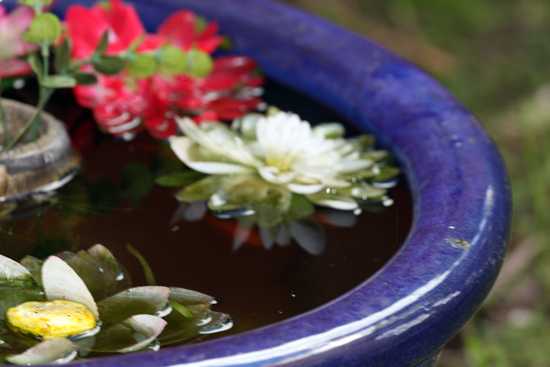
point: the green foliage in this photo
(108, 65)
(45, 29)
(36, 3)
(173, 60)
(142, 65)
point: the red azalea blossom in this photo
(12, 45)
(123, 105)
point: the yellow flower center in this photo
(48, 320)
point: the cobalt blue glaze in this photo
(405, 313)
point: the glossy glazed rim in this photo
(425, 294)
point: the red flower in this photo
(12, 46)
(86, 26)
(121, 104)
(183, 29)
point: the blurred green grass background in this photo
(494, 56)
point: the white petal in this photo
(56, 351)
(150, 327)
(346, 166)
(181, 146)
(11, 270)
(305, 189)
(340, 204)
(220, 140)
(271, 174)
(61, 282)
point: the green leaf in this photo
(199, 63)
(108, 65)
(300, 207)
(36, 3)
(142, 65)
(103, 44)
(85, 78)
(45, 29)
(172, 60)
(200, 24)
(63, 56)
(200, 190)
(11, 297)
(387, 173)
(59, 81)
(184, 311)
(36, 65)
(179, 179)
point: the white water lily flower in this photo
(281, 148)
(62, 304)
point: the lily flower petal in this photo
(61, 282)
(305, 189)
(12, 271)
(182, 145)
(56, 351)
(134, 301)
(131, 335)
(190, 297)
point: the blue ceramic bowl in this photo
(405, 313)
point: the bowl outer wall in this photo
(425, 294)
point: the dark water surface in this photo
(115, 202)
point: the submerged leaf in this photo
(131, 335)
(61, 282)
(56, 351)
(135, 301)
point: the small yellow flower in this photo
(48, 320)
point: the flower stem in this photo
(43, 98)
(3, 124)
(45, 95)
